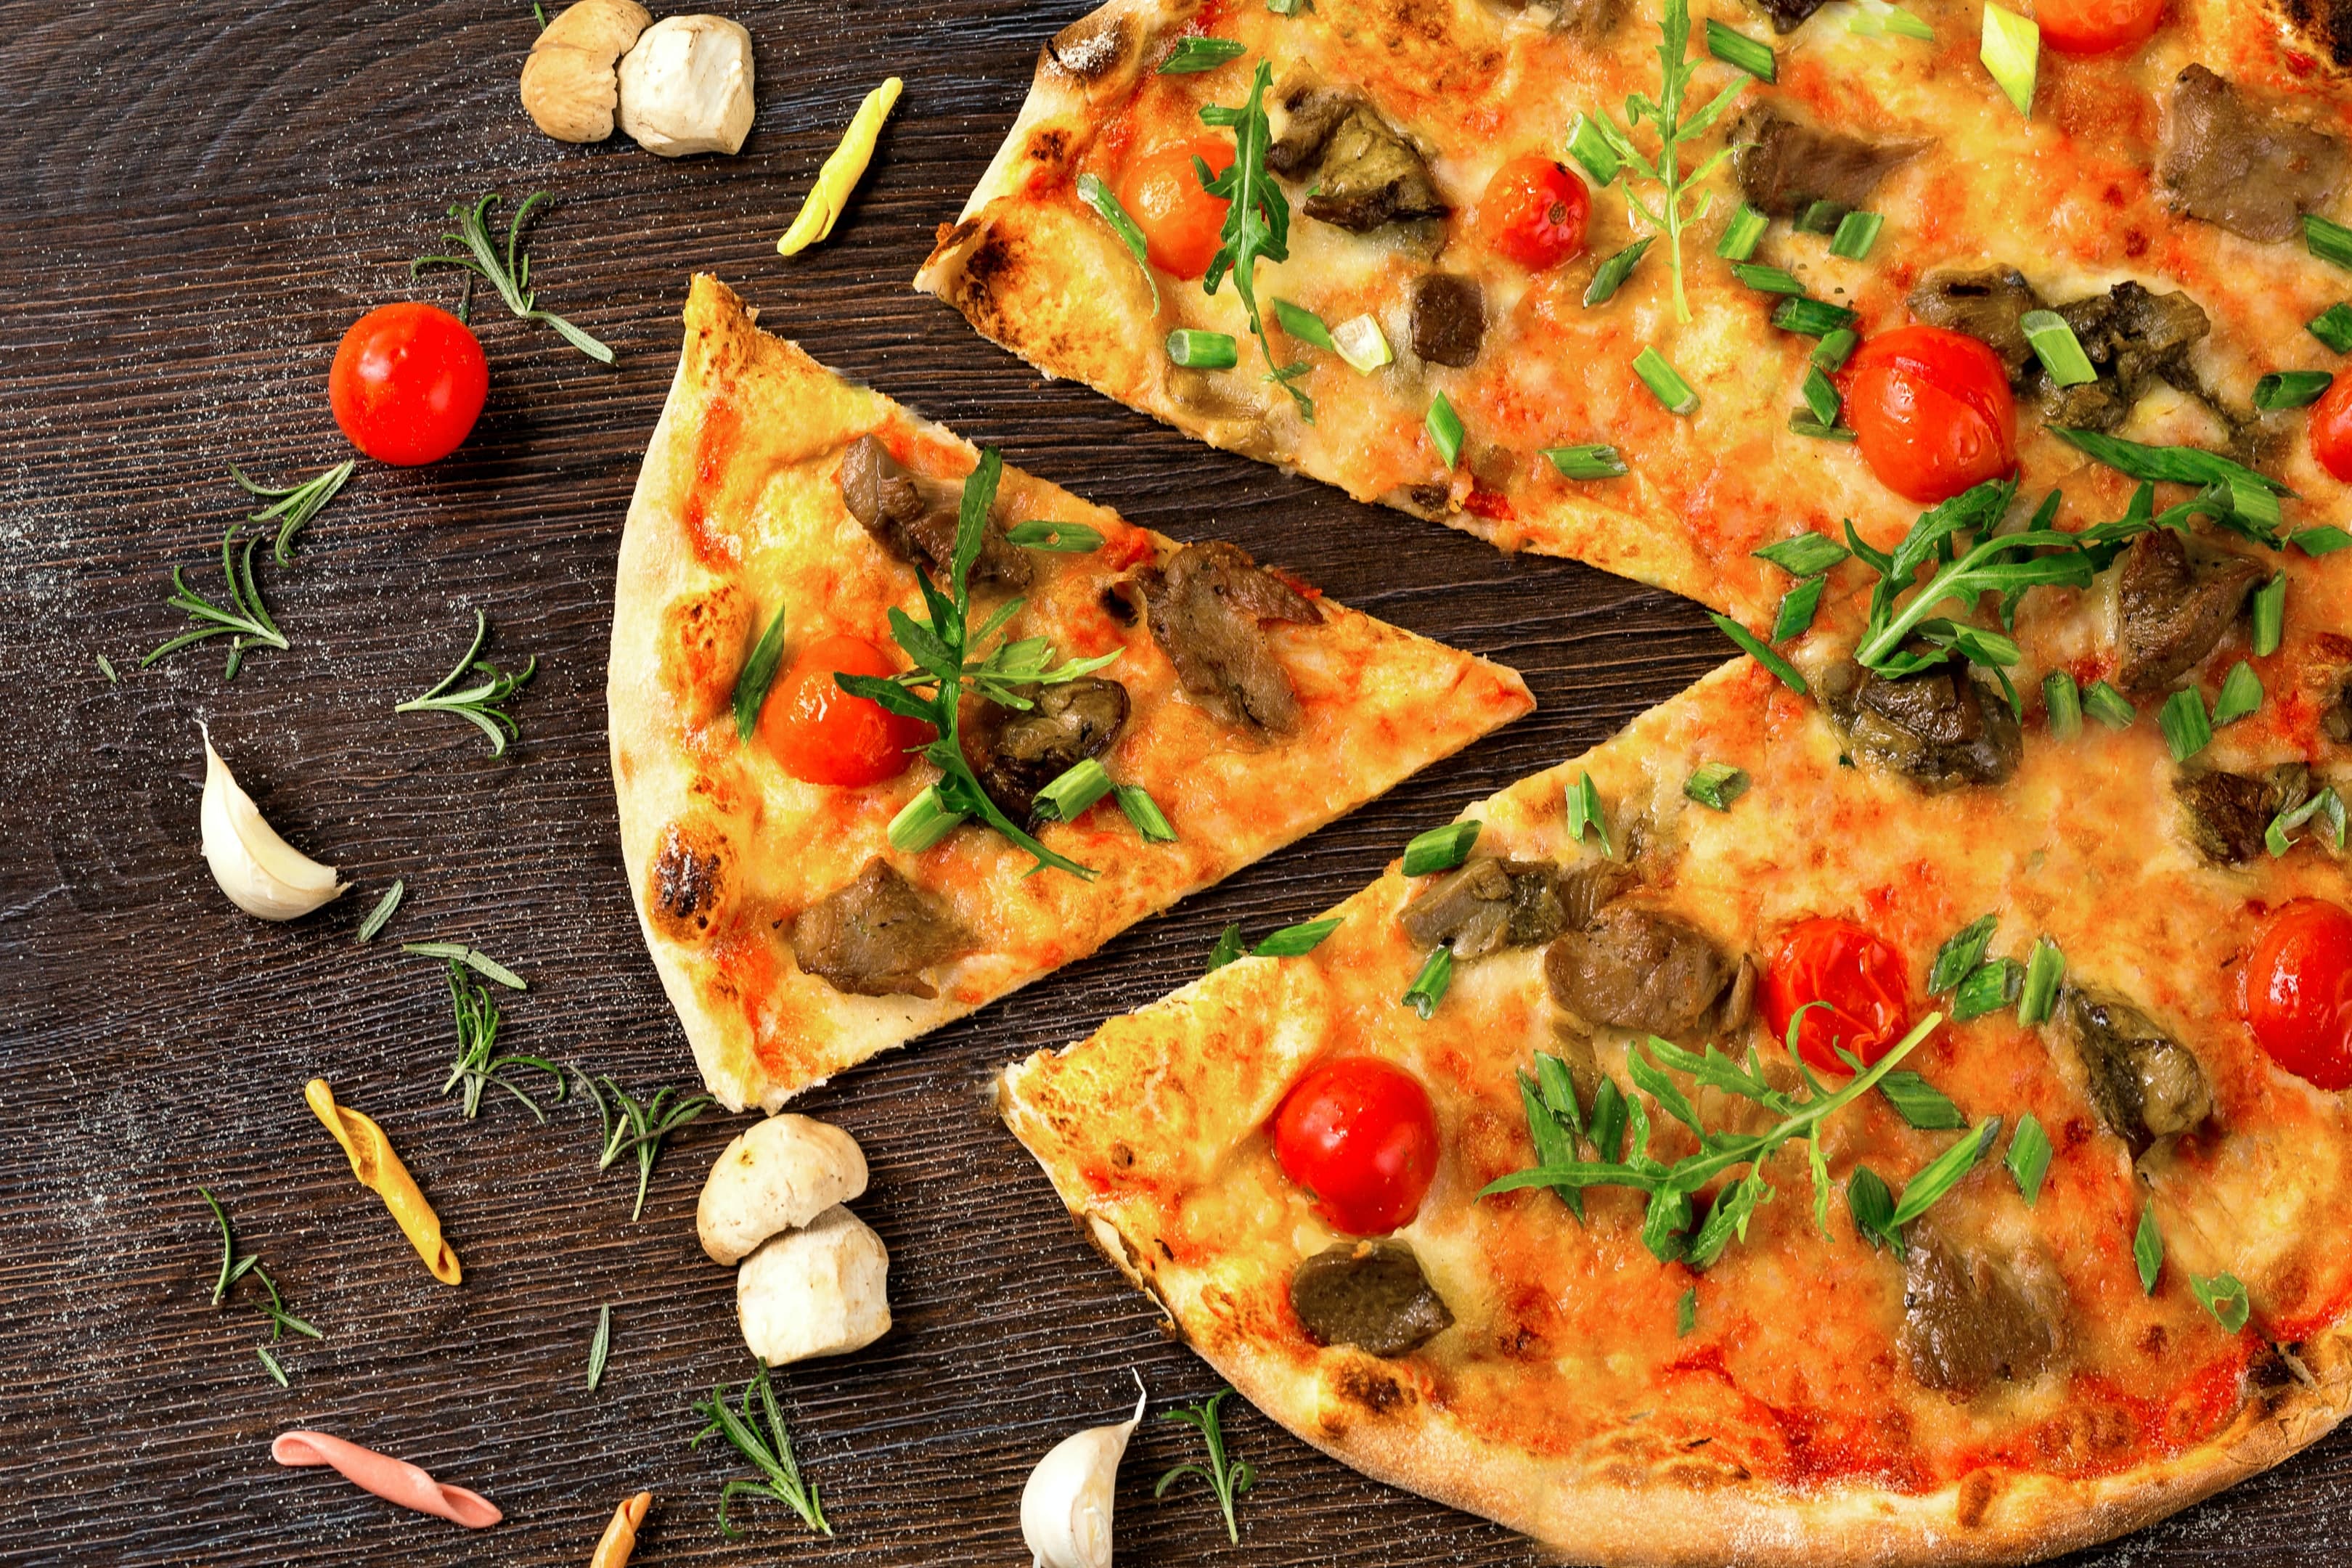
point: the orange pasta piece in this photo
(620, 1537)
(380, 1172)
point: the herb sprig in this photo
(770, 1454)
(638, 1127)
(295, 504)
(478, 1066)
(244, 620)
(1228, 1479)
(234, 1269)
(940, 647)
(509, 274)
(478, 704)
(1257, 219)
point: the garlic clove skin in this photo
(261, 873)
(1066, 1508)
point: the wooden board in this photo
(195, 201)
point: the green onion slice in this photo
(758, 674)
(1819, 395)
(2324, 540)
(1664, 382)
(1428, 987)
(2187, 729)
(1060, 538)
(1197, 349)
(1761, 653)
(1991, 986)
(1445, 429)
(1227, 950)
(1802, 423)
(2109, 706)
(1296, 941)
(2279, 836)
(1813, 318)
(1197, 54)
(1145, 813)
(1099, 196)
(2011, 49)
(2290, 389)
(1441, 849)
(1767, 279)
(1079, 787)
(1584, 811)
(2224, 1296)
(1805, 555)
(1856, 233)
(1611, 274)
(1832, 352)
(1873, 1207)
(1595, 460)
(923, 822)
(2062, 699)
(2241, 694)
(1822, 218)
(1795, 618)
(1963, 952)
(1739, 50)
(1716, 784)
(1302, 323)
(2326, 239)
(1920, 1103)
(2332, 327)
(2028, 1157)
(1359, 342)
(1589, 147)
(1943, 1172)
(2270, 615)
(1746, 230)
(2055, 345)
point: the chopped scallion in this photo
(1814, 318)
(2270, 615)
(2012, 50)
(2062, 699)
(2327, 804)
(1665, 381)
(1611, 274)
(1716, 784)
(1197, 349)
(2332, 327)
(1856, 233)
(1961, 954)
(1740, 51)
(2324, 540)
(1795, 616)
(1762, 654)
(1767, 279)
(1440, 848)
(2109, 706)
(2290, 389)
(1746, 230)
(1942, 1173)
(1296, 942)
(1584, 811)
(1197, 54)
(1802, 423)
(1822, 218)
(1076, 788)
(1990, 987)
(1875, 18)
(2241, 694)
(1589, 147)
(1302, 323)
(922, 822)
(1445, 429)
(2028, 1157)
(1595, 460)
(2224, 1296)
(1832, 352)
(2045, 966)
(1804, 555)
(1819, 395)
(1145, 813)
(1359, 342)
(1428, 987)
(2326, 239)
(2187, 729)
(2055, 345)
(1921, 1103)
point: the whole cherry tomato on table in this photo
(1858, 975)
(2331, 428)
(1359, 1133)
(824, 735)
(1533, 213)
(2296, 990)
(2095, 27)
(407, 384)
(1182, 224)
(1931, 410)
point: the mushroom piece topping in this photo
(1368, 1294)
(2169, 612)
(2232, 161)
(1491, 904)
(1988, 306)
(1634, 968)
(1590, 20)
(1787, 15)
(1970, 1320)
(1206, 609)
(1449, 318)
(1016, 753)
(914, 519)
(1365, 172)
(2144, 1084)
(1940, 728)
(2226, 815)
(1784, 165)
(875, 937)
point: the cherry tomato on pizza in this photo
(1360, 1134)
(2296, 990)
(2331, 428)
(2097, 26)
(1533, 213)
(1860, 979)
(824, 735)
(408, 381)
(1182, 224)
(1931, 412)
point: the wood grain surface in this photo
(195, 201)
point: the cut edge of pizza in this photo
(1566, 1384)
(798, 926)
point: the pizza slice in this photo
(895, 729)
(1419, 253)
(1735, 1145)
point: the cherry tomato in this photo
(2331, 428)
(824, 735)
(1533, 213)
(1931, 412)
(2094, 27)
(2296, 990)
(408, 383)
(1360, 1135)
(1858, 975)
(1162, 191)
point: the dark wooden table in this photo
(195, 201)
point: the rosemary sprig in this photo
(234, 1269)
(1664, 115)
(510, 275)
(295, 504)
(940, 647)
(771, 1455)
(478, 1066)
(1257, 219)
(1227, 1478)
(478, 704)
(246, 619)
(639, 1127)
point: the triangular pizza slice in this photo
(1063, 723)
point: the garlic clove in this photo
(261, 873)
(1066, 1508)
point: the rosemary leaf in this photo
(1226, 1478)
(769, 1452)
(382, 914)
(476, 704)
(601, 1347)
(509, 274)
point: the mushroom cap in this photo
(776, 1176)
(685, 87)
(570, 83)
(825, 1291)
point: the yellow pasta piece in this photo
(380, 1172)
(620, 1537)
(841, 173)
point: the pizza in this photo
(1751, 1142)
(1060, 722)
(1905, 250)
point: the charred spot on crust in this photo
(1977, 1490)
(1369, 1389)
(687, 883)
(1050, 146)
(988, 265)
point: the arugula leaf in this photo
(1873, 1207)
(2224, 1296)
(1257, 220)
(2147, 1248)
(1105, 204)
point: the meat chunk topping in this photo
(1634, 968)
(1207, 608)
(1941, 728)
(2226, 815)
(1491, 904)
(1970, 1318)
(1368, 1294)
(1785, 165)
(2240, 164)
(875, 937)
(1365, 173)
(1449, 318)
(1017, 751)
(1987, 305)
(2144, 1084)
(914, 519)
(2169, 611)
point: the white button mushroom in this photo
(776, 1176)
(1066, 1508)
(687, 87)
(820, 1292)
(571, 80)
